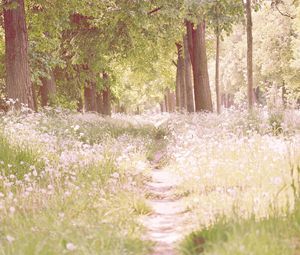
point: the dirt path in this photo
(166, 224)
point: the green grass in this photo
(88, 210)
(98, 130)
(17, 160)
(95, 218)
(273, 236)
(109, 228)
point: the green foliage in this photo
(134, 43)
(274, 52)
(223, 14)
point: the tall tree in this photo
(18, 83)
(90, 104)
(106, 95)
(197, 49)
(221, 16)
(218, 96)
(99, 102)
(180, 83)
(48, 89)
(177, 88)
(188, 77)
(249, 54)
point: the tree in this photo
(197, 50)
(90, 97)
(180, 79)
(249, 54)
(18, 83)
(222, 14)
(48, 89)
(188, 77)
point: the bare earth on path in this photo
(166, 225)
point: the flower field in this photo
(75, 183)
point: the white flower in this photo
(70, 247)
(61, 215)
(50, 187)
(12, 210)
(115, 175)
(10, 238)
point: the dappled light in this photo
(150, 127)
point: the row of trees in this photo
(92, 53)
(275, 55)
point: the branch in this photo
(154, 10)
(284, 14)
(174, 63)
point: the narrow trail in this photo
(165, 226)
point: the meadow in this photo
(74, 183)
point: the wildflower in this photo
(10, 195)
(61, 215)
(115, 175)
(50, 187)
(71, 247)
(10, 238)
(67, 193)
(12, 210)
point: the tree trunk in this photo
(34, 96)
(106, 96)
(166, 102)
(218, 99)
(162, 106)
(173, 100)
(99, 102)
(80, 105)
(18, 83)
(90, 97)
(197, 47)
(188, 78)
(48, 90)
(249, 54)
(177, 89)
(180, 67)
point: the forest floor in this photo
(154, 184)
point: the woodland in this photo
(150, 127)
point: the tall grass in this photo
(85, 198)
(273, 235)
(17, 160)
(240, 182)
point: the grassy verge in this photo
(72, 208)
(86, 216)
(272, 236)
